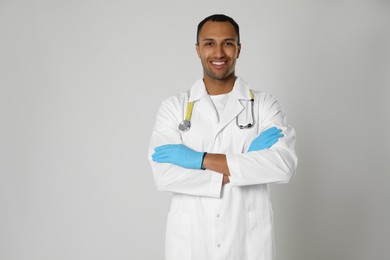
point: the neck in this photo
(219, 86)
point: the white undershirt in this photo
(219, 102)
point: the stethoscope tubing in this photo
(185, 125)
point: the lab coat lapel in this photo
(232, 109)
(203, 103)
(207, 108)
(233, 105)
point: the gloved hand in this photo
(266, 139)
(178, 154)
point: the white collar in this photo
(240, 90)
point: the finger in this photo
(270, 137)
(162, 147)
(271, 128)
(277, 136)
(270, 144)
(160, 158)
(270, 131)
(155, 156)
(274, 131)
(159, 154)
(174, 148)
(168, 147)
(273, 141)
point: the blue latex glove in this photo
(178, 154)
(266, 139)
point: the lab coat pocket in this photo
(178, 237)
(260, 241)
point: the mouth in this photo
(218, 64)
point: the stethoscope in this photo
(185, 125)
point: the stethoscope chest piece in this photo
(185, 125)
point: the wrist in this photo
(201, 165)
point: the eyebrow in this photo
(211, 39)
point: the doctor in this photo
(216, 148)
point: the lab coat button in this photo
(218, 215)
(218, 245)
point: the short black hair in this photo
(218, 18)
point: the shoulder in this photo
(262, 94)
(174, 105)
(264, 98)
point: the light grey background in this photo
(80, 83)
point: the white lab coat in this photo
(208, 221)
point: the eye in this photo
(229, 43)
(209, 44)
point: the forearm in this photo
(217, 163)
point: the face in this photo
(218, 49)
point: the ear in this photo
(238, 50)
(197, 49)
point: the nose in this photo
(219, 52)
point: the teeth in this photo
(218, 62)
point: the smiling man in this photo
(217, 147)
(218, 47)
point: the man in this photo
(219, 161)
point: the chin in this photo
(224, 76)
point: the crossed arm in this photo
(182, 156)
(174, 172)
(217, 163)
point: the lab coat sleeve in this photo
(172, 178)
(273, 165)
